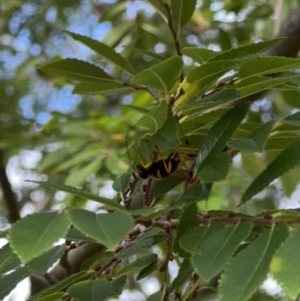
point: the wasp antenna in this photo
(138, 156)
(127, 151)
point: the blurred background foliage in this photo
(48, 132)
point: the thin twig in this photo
(111, 269)
(141, 88)
(169, 256)
(110, 265)
(185, 190)
(173, 32)
(99, 270)
(204, 220)
(127, 201)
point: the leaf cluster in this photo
(202, 112)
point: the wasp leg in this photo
(187, 167)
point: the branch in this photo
(288, 48)
(75, 258)
(135, 87)
(291, 30)
(9, 196)
(207, 219)
(173, 32)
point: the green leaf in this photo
(77, 70)
(97, 259)
(219, 134)
(42, 263)
(244, 88)
(161, 33)
(75, 159)
(285, 161)
(268, 65)
(157, 238)
(293, 119)
(118, 32)
(158, 296)
(193, 194)
(100, 88)
(70, 149)
(104, 50)
(147, 270)
(149, 53)
(161, 76)
(10, 281)
(166, 185)
(86, 195)
(152, 233)
(246, 50)
(290, 181)
(154, 211)
(75, 235)
(159, 7)
(249, 268)
(252, 164)
(254, 142)
(138, 264)
(107, 229)
(194, 91)
(155, 118)
(217, 169)
(121, 182)
(167, 137)
(182, 11)
(35, 234)
(185, 272)
(80, 175)
(136, 248)
(224, 39)
(211, 70)
(187, 221)
(221, 96)
(200, 55)
(9, 260)
(197, 193)
(285, 265)
(92, 290)
(264, 83)
(58, 286)
(53, 297)
(196, 236)
(211, 256)
(280, 143)
(118, 285)
(113, 12)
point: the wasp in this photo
(162, 168)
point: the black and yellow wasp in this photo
(162, 168)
